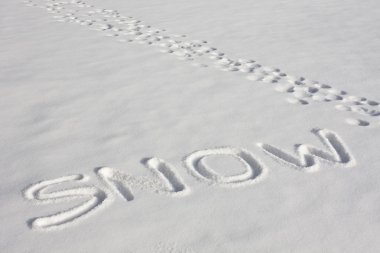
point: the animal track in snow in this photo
(167, 181)
(126, 29)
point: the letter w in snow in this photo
(308, 158)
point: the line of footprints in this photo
(127, 29)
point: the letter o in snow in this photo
(254, 170)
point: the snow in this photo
(189, 126)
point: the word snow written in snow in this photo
(166, 180)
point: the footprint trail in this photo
(298, 90)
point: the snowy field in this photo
(190, 126)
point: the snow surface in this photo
(189, 126)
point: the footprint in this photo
(332, 97)
(297, 101)
(284, 87)
(357, 122)
(301, 94)
(372, 103)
